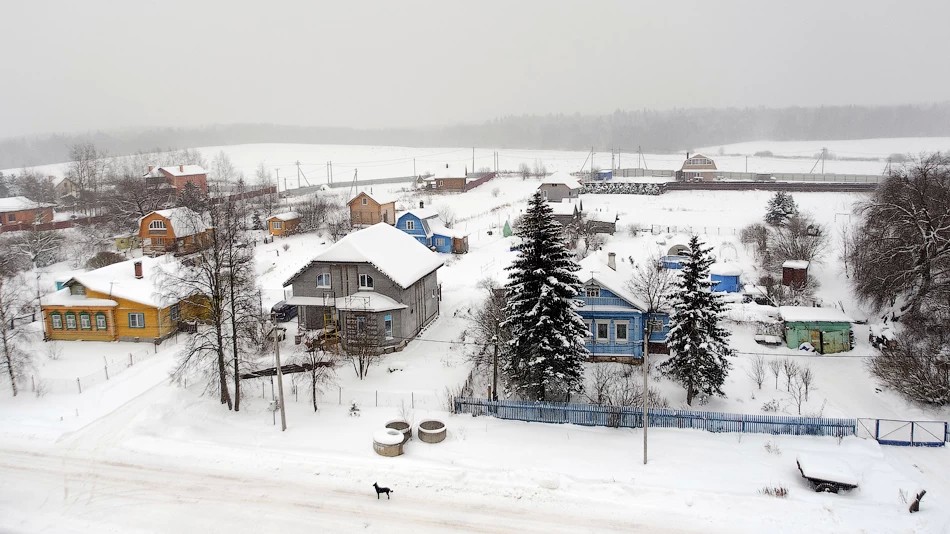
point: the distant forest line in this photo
(653, 131)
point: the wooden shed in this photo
(795, 273)
(283, 224)
(827, 329)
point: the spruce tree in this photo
(696, 341)
(780, 208)
(547, 348)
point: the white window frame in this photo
(277, 225)
(592, 292)
(139, 321)
(626, 333)
(157, 224)
(360, 324)
(388, 325)
(440, 241)
(366, 281)
(104, 324)
(410, 225)
(606, 324)
(85, 321)
(56, 320)
(321, 277)
(590, 329)
(70, 325)
(363, 201)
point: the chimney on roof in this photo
(181, 168)
(687, 155)
(612, 261)
(422, 204)
(150, 167)
(138, 269)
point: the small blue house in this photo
(614, 314)
(424, 225)
(725, 277)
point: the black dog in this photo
(379, 490)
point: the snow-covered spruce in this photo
(697, 342)
(547, 347)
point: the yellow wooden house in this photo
(120, 302)
(283, 224)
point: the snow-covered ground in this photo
(135, 454)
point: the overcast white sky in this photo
(96, 64)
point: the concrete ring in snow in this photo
(388, 442)
(431, 431)
(402, 426)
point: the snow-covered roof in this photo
(368, 301)
(569, 182)
(795, 264)
(726, 268)
(21, 203)
(810, 314)
(392, 251)
(184, 221)
(118, 280)
(287, 216)
(183, 170)
(423, 213)
(449, 171)
(594, 267)
(565, 207)
(601, 216)
(436, 227)
(64, 298)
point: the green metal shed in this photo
(827, 329)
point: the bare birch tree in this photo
(756, 370)
(13, 300)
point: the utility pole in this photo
(298, 174)
(277, 170)
(612, 165)
(473, 160)
(414, 173)
(747, 164)
(824, 153)
(646, 386)
(280, 376)
(494, 380)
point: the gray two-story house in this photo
(378, 283)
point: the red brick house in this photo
(454, 180)
(177, 176)
(21, 210)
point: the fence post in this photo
(877, 429)
(130, 359)
(413, 399)
(912, 425)
(377, 398)
(79, 384)
(106, 368)
(340, 400)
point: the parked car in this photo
(283, 311)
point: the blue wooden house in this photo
(615, 316)
(424, 225)
(726, 277)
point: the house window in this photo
(277, 225)
(388, 326)
(157, 225)
(439, 183)
(77, 289)
(136, 320)
(655, 325)
(410, 225)
(85, 322)
(366, 281)
(621, 332)
(101, 321)
(590, 329)
(602, 333)
(323, 280)
(593, 291)
(174, 313)
(56, 320)
(544, 194)
(440, 241)
(11, 217)
(158, 241)
(363, 201)
(360, 324)
(70, 321)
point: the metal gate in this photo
(904, 433)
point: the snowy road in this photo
(70, 491)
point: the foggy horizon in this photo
(98, 66)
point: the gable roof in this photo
(570, 183)
(807, 314)
(381, 199)
(183, 170)
(184, 221)
(286, 216)
(393, 252)
(21, 203)
(564, 207)
(614, 280)
(118, 281)
(421, 213)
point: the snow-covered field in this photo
(136, 454)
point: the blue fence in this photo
(630, 417)
(905, 433)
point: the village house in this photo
(452, 179)
(367, 210)
(615, 316)
(828, 330)
(21, 210)
(283, 224)
(67, 191)
(377, 284)
(178, 230)
(178, 176)
(558, 190)
(119, 302)
(697, 168)
(427, 228)
(569, 212)
(795, 273)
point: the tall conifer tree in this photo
(547, 346)
(698, 344)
